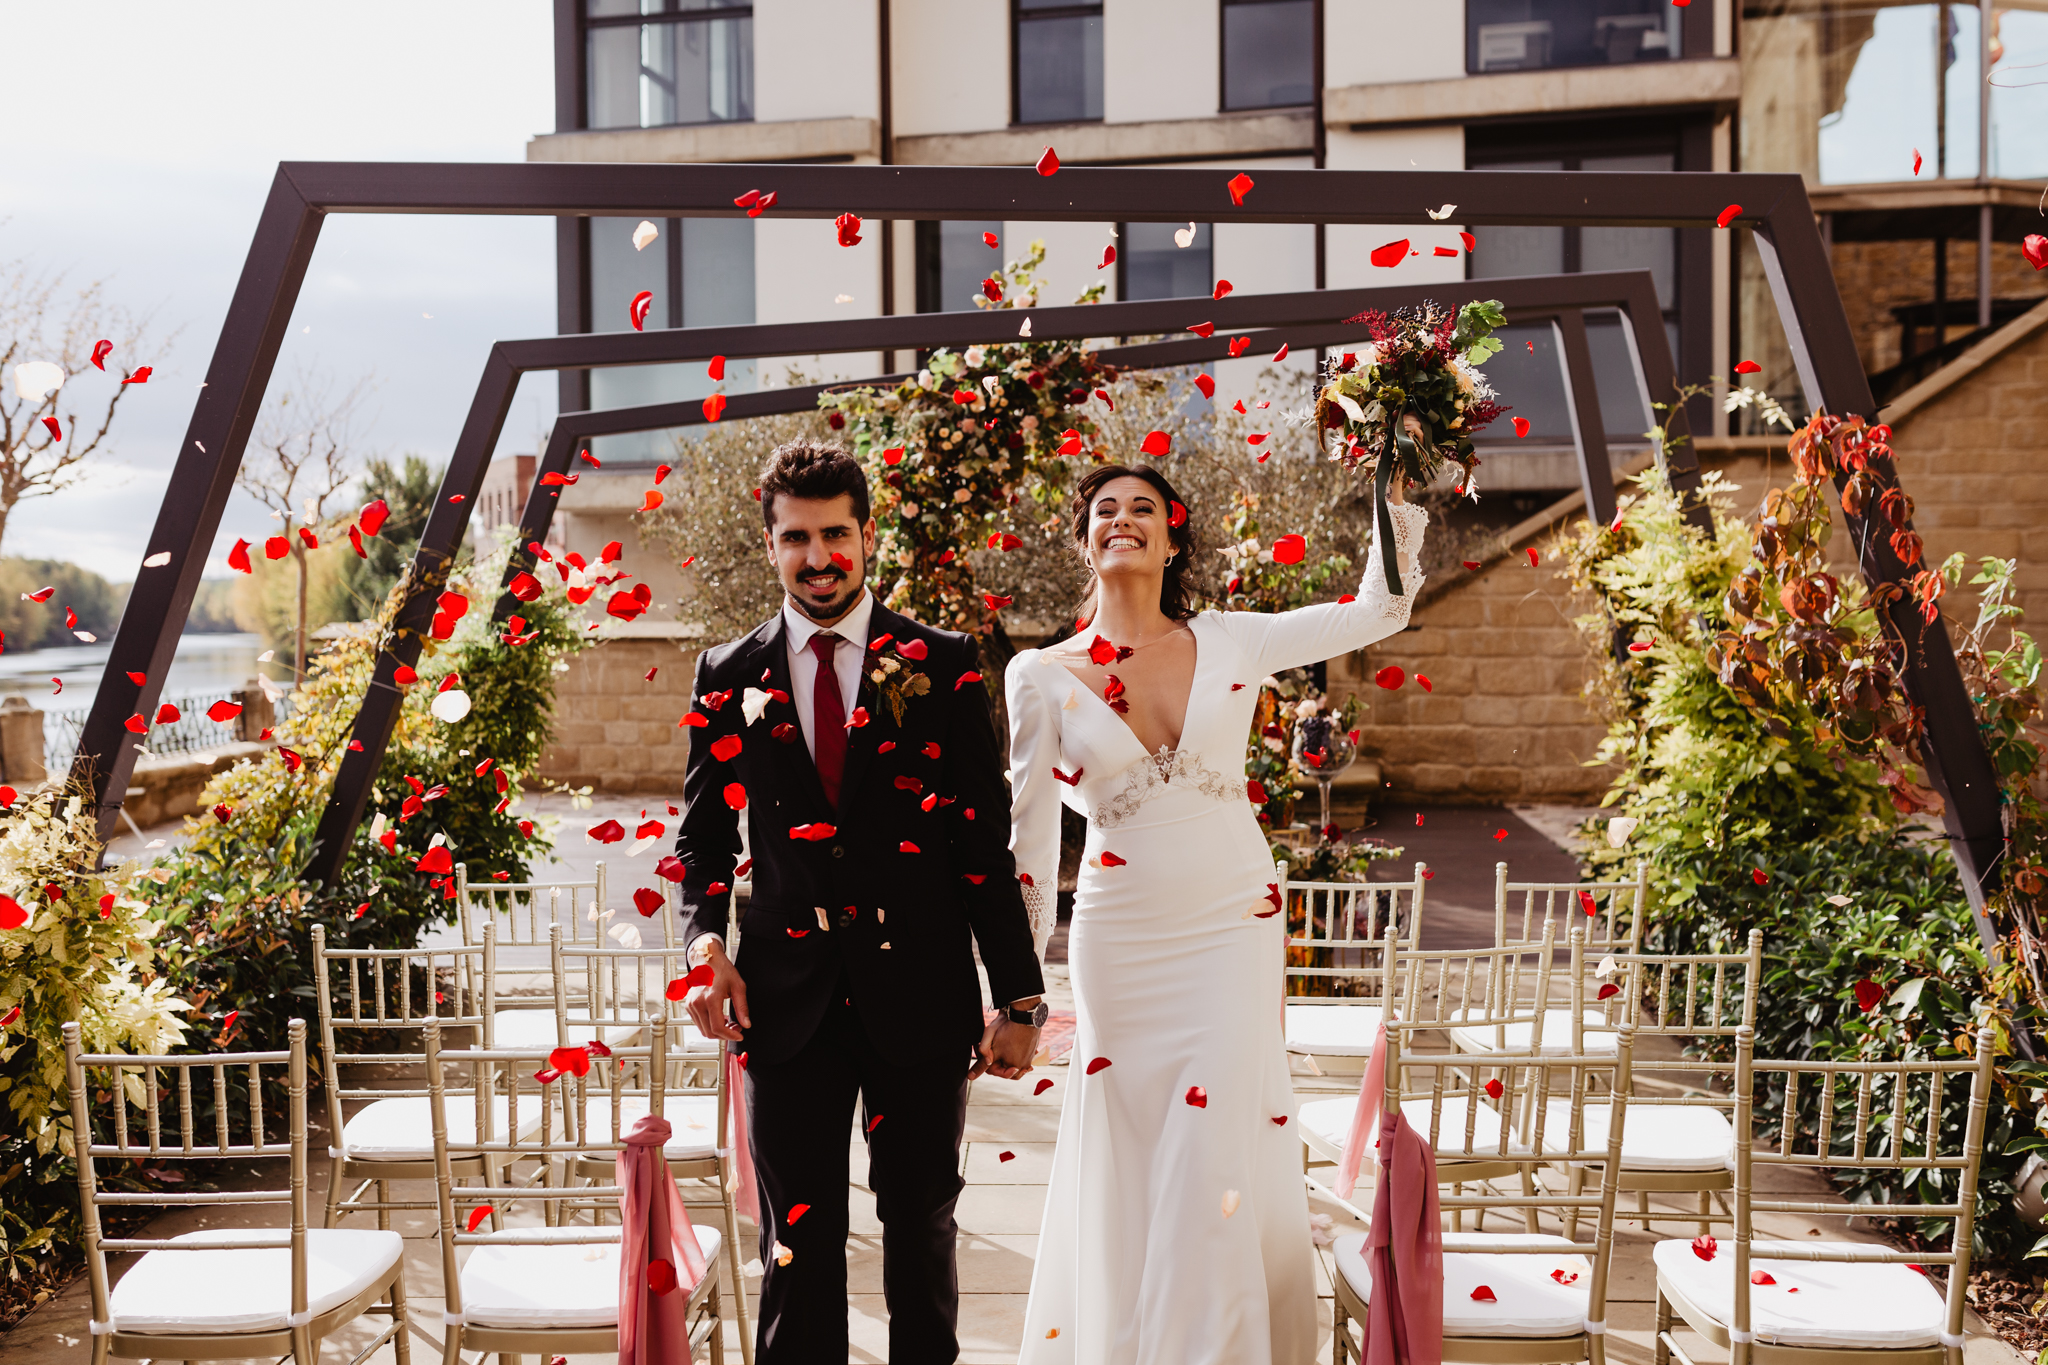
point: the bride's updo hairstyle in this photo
(1177, 597)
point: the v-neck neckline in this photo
(1187, 708)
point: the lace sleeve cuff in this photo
(1042, 904)
(1410, 522)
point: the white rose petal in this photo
(1184, 237)
(1025, 330)
(38, 379)
(87, 636)
(1619, 828)
(451, 705)
(644, 234)
(1608, 966)
(1838, 900)
(1438, 215)
(157, 560)
(1230, 1202)
(753, 702)
(628, 935)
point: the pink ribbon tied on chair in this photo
(746, 1198)
(1365, 1118)
(659, 1259)
(1404, 1250)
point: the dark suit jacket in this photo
(901, 887)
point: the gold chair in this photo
(1530, 1298)
(551, 1289)
(1856, 1303)
(393, 992)
(623, 991)
(219, 1293)
(523, 912)
(1436, 988)
(1683, 1142)
(1343, 925)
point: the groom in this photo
(879, 824)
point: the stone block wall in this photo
(615, 730)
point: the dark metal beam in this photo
(201, 479)
(1776, 205)
(1589, 433)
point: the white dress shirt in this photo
(852, 630)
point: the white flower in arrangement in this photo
(924, 379)
(1307, 707)
(974, 356)
(1265, 556)
(909, 509)
(1029, 423)
(962, 494)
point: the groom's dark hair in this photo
(815, 472)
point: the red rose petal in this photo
(1156, 443)
(1290, 549)
(661, 1277)
(1484, 1295)
(1098, 1064)
(1111, 860)
(1391, 677)
(478, 1214)
(1705, 1247)
(1043, 1086)
(1494, 1088)
(1728, 215)
(1239, 186)
(1390, 255)
(1761, 1277)
(1197, 1097)
(1747, 367)
(724, 747)
(647, 901)
(1048, 162)
(1869, 995)
(1521, 425)
(735, 796)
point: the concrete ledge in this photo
(784, 140)
(1638, 85)
(171, 784)
(1228, 135)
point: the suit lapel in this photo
(795, 773)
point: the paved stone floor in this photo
(999, 1212)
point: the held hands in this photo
(1006, 1049)
(706, 1004)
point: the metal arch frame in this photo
(1558, 299)
(302, 194)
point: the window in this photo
(1268, 53)
(701, 273)
(658, 62)
(952, 260)
(1152, 265)
(1058, 55)
(1534, 376)
(1523, 35)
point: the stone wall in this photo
(615, 730)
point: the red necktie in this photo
(828, 719)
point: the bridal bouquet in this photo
(1422, 363)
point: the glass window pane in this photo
(1268, 54)
(1531, 383)
(1156, 267)
(700, 72)
(2019, 94)
(718, 272)
(608, 9)
(1883, 106)
(1624, 408)
(1522, 35)
(614, 77)
(1961, 56)
(618, 272)
(1059, 69)
(1633, 248)
(963, 261)
(1518, 250)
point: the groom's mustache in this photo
(830, 570)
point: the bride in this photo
(1176, 1225)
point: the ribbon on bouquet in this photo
(1365, 1117)
(1405, 455)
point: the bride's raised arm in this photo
(1034, 794)
(1291, 639)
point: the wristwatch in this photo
(1034, 1017)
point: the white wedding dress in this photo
(1175, 1233)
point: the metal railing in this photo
(192, 732)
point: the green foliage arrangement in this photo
(1771, 801)
(951, 451)
(236, 896)
(77, 944)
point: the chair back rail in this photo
(1442, 988)
(138, 1081)
(456, 988)
(1685, 995)
(1614, 923)
(1903, 1100)
(1346, 924)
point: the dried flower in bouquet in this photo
(1422, 365)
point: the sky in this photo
(141, 141)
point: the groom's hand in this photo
(1006, 1049)
(707, 1003)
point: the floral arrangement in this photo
(1276, 577)
(1422, 364)
(948, 452)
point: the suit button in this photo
(838, 850)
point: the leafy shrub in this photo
(237, 895)
(79, 957)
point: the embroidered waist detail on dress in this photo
(1167, 768)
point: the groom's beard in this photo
(840, 602)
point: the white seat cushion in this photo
(536, 1028)
(248, 1291)
(1655, 1137)
(1330, 1120)
(1872, 1305)
(1527, 1301)
(403, 1129)
(693, 1120)
(555, 1283)
(1557, 1034)
(1332, 1030)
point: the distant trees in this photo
(37, 326)
(40, 625)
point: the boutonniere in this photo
(898, 682)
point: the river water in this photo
(212, 664)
